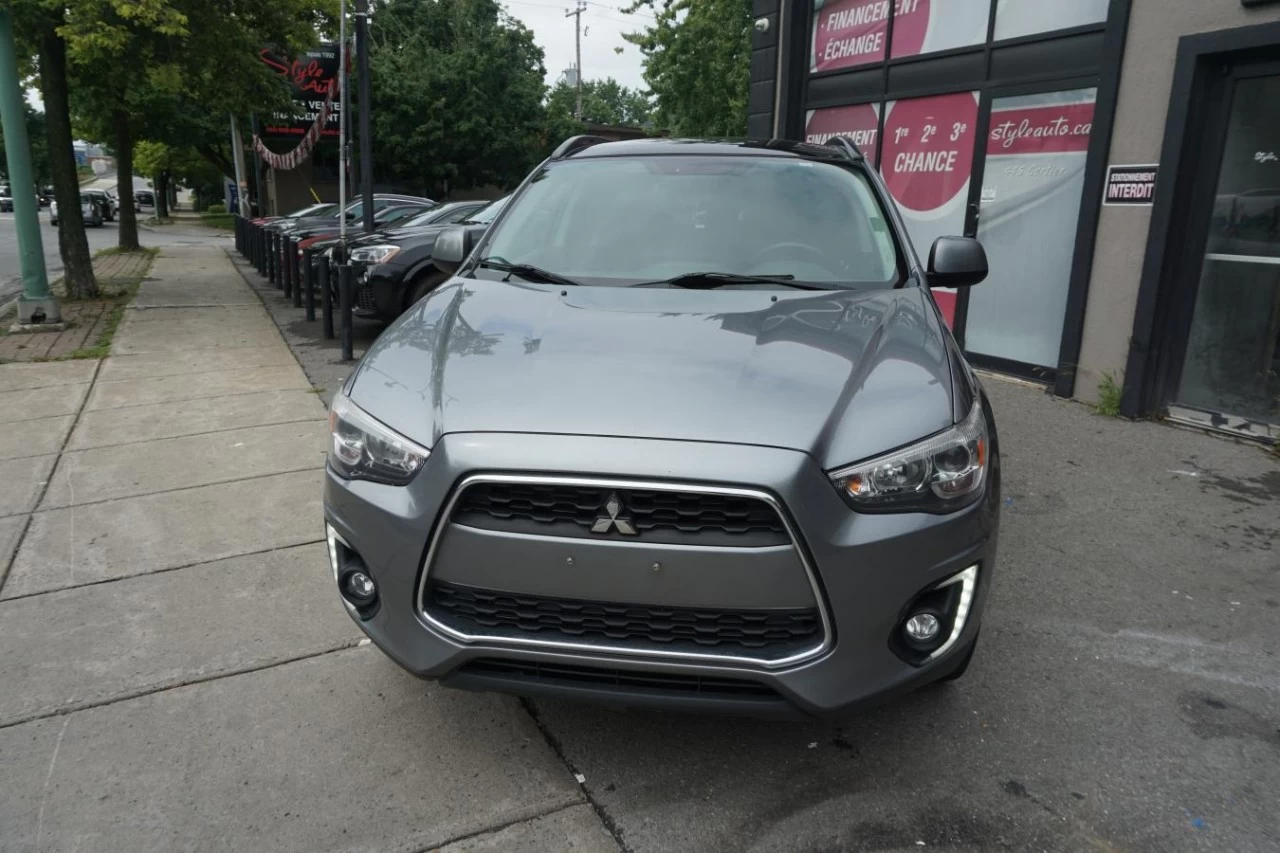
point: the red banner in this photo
(854, 32)
(860, 122)
(1054, 128)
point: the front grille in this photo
(657, 516)
(706, 687)
(364, 298)
(764, 634)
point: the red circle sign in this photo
(928, 149)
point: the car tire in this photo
(424, 284)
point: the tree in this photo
(38, 143)
(457, 94)
(37, 27)
(697, 62)
(603, 102)
(139, 63)
(166, 165)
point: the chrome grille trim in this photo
(443, 520)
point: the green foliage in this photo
(697, 62)
(603, 102)
(224, 221)
(457, 94)
(216, 208)
(1109, 393)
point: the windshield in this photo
(488, 213)
(454, 212)
(627, 220)
(313, 210)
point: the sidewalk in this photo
(177, 671)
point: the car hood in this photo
(839, 375)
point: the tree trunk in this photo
(162, 194)
(124, 186)
(72, 242)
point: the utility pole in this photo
(342, 132)
(366, 133)
(237, 157)
(36, 305)
(576, 14)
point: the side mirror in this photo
(452, 247)
(956, 262)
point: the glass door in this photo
(1232, 363)
(1032, 178)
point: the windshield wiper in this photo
(526, 271)
(708, 280)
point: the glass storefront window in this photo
(849, 33)
(925, 26)
(1016, 18)
(927, 160)
(859, 122)
(1031, 186)
(1232, 364)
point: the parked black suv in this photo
(398, 271)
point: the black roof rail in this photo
(847, 147)
(574, 144)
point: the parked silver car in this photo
(90, 209)
(684, 429)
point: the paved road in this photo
(99, 238)
(178, 674)
(1125, 695)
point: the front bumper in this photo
(865, 570)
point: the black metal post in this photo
(301, 273)
(290, 259)
(344, 308)
(259, 241)
(272, 254)
(366, 96)
(326, 299)
(238, 228)
(309, 283)
(281, 248)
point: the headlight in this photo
(939, 474)
(375, 254)
(361, 448)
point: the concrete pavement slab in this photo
(135, 536)
(246, 313)
(190, 417)
(576, 828)
(10, 530)
(338, 752)
(34, 438)
(81, 647)
(34, 403)
(158, 364)
(211, 334)
(215, 383)
(170, 294)
(21, 481)
(126, 470)
(18, 377)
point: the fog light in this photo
(922, 627)
(360, 588)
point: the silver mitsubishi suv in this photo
(684, 428)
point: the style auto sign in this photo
(309, 78)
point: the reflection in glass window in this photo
(925, 26)
(1016, 18)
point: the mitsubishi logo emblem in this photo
(610, 519)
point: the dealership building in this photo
(1119, 160)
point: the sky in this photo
(602, 27)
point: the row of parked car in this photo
(393, 265)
